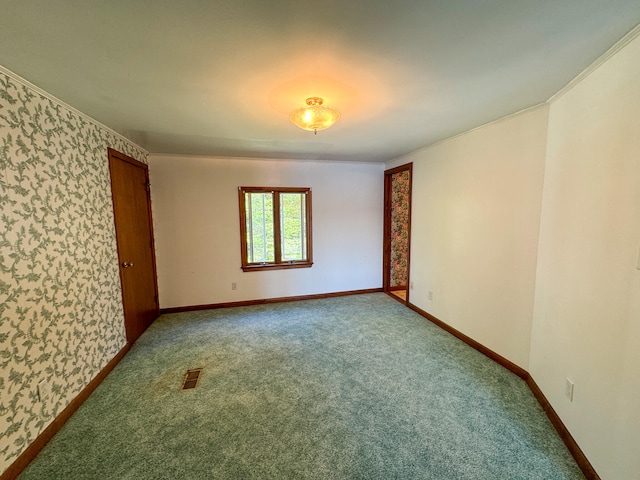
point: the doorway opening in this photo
(397, 231)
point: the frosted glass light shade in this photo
(314, 116)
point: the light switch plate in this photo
(568, 389)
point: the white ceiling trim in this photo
(492, 122)
(619, 45)
(401, 160)
(45, 94)
(261, 159)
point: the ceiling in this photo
(221, 77)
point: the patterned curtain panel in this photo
(399, 224)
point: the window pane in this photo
(276, 230)
(293, 226)
(260, 227)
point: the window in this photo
(275, 228)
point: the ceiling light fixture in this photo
(314, 116)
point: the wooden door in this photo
(134, 234)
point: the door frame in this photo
(114, 154)
(386, 257)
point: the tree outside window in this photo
(275, 227)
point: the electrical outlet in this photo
(411, 285)
(568, 389)
(234, 286)
(430, 295)
(44, 390)
(45, 393)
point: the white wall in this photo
(475, 221)
(587, 309)
(195, 212)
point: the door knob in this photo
(127, 264)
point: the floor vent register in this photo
(191, 379)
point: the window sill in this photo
(276, 266)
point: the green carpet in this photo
(353, 387)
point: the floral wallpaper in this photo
(61, 318)
(400, 182)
